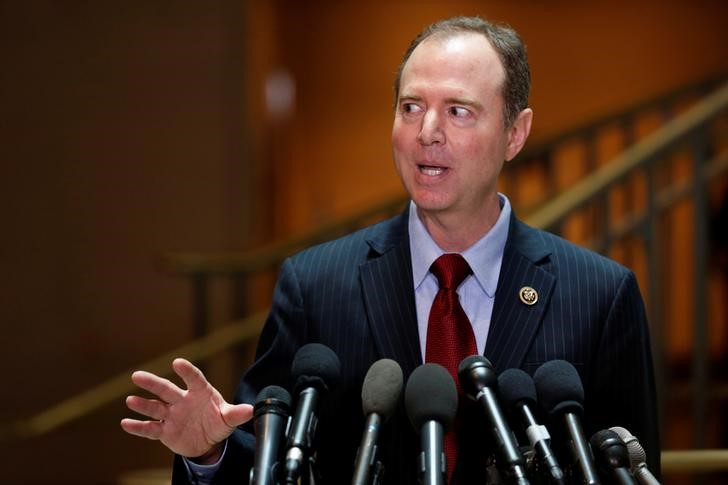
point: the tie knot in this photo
(450, 270)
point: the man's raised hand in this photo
(191, 422)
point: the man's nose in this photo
(431, 129)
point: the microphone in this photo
(271, 410)
(431, 400)
(316, 369)
(379, 397)
(637, 457)
(478, 380)
(612, 456)
(561, 394)
(518, 392)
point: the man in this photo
(461, 111)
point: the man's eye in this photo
(459, 111)
(410, 108)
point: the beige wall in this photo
(124, 135)
(133, 128)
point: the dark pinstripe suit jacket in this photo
(355, 295)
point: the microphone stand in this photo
(378, 472)
(309, 474)
(311, 471)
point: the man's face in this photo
(449, 139)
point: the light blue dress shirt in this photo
(477, 291)
(203, 474)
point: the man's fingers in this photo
(146, 429)
(148, 407)
(193, 377)
(165, 389)
(236, 414)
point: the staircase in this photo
(639, 186)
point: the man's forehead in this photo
(446, 46)
(456, 39)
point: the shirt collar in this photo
(484, 257)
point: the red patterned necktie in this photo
(450, 336)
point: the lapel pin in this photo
(528, 295)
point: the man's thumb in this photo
(236, 414)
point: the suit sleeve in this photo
(623, 391)
(285, 331)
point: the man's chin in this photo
(431, 205)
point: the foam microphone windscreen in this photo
(475, 372)
(609, 449)
(516, 386)
(273, 393)
(315, 365)
(559, 388)
(431, 395)
(382, 388)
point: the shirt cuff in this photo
(203, 474)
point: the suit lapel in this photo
(514, 323)
(388, 292)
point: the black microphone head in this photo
(382, 388)
(609, 449)
(637, 455)
(272, 399)
(516, 387)
(559, 388)
(431, 395)
(475, 373)
(315, 365)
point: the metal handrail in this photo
(270, 254)
(709, 460)
(655, 103)
(637, 156)
(233, 333)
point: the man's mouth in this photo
(431, 170)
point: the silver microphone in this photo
(637, 457)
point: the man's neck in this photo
(454, 233)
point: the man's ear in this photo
(518, 133)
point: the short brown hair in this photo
(507, 44)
